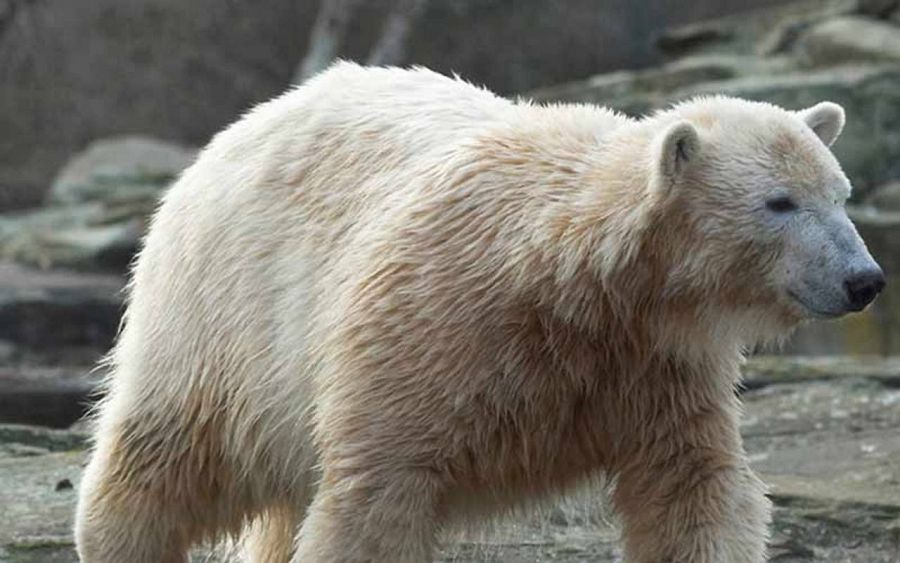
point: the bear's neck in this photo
(616, 357)
(603, 256)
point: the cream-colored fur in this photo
(388, 300)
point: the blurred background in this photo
(104, 102)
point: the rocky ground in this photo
(824, 433)
(73, 72)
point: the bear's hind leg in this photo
(369, 519)
(116, 521)
(156, 486)
(271, 536)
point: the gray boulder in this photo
(766, 29)
(637, 91)
(120, 169)
(98, 208)
(175, 69)
(96, 235)
(850, 39)
(886, 197)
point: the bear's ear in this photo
(826, 119)
(678, 148)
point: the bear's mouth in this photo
(812, 311)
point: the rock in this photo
(850, 39)
(6, 11)
(120, 169)
(97, 235)
(694, 36)
(36, 520)
(822, 432)
(99, 209)
(767, 29)
(47, 314)
(183, 70)
(96, 247)
(44, 439)
(54, 397)
(877, 8)
(63, 485)
(881, 231)
(639, 90)
(812, 530)
(8, 352)
(165, 68)
(766, 371)
(87, 247)
(886, 197)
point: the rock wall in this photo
(74, 71)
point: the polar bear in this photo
(389, 300)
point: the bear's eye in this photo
(781, 204)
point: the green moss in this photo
(51, 440)
(40, 551)
(41, 544)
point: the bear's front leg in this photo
(690, 497)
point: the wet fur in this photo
(388, 302)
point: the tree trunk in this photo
(390, 49)
(326, 36)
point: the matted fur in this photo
(388, 301)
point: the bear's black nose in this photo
(863, 287)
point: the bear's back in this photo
(258, 236)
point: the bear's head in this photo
(754, 200)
